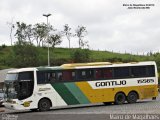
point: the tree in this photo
(67, 33)
(24, 32)
(40, 32)
(55, 39)
(81, 32)
(85, 44)
(20, 32)
(29, 33)
(12, 26)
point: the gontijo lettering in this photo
(110, 83)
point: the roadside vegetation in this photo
(18, 56)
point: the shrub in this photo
(81, 55)
(25, 55)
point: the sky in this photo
(111, 26)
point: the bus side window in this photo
(73, 75)
(150, 71)
(90, 74)
(59, 76)
(98, 73)
(41, 77)
(107, 73)
(45, 77)
(121, 72)
(81, 74)
(139, 71)
(85, 74)
(67, 75)
(52, 77)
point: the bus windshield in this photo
(10, 90)
(12, 76)
(19, 85)
(10, 86)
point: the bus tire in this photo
(44, 104)
(132, 97)
(120, 98)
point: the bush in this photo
(58, 61)
(25, 55)
(81, 55)
(2, 47)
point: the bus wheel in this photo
(44, 105)
(120, 98)
(132, 97)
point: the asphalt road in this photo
(142, 110)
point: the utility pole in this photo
(47, 15)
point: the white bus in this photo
(41, 88)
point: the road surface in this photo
(144, 109)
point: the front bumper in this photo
(13, 106)
(19, 105)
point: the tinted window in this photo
(25, 85)
(85, 74)
(138, 71)
(151, 71)
(55, 76)
(121, 72)
(98, 74)
(104, 73)
(59, 75)
(40, 77)
(68, 75)
(43, 77)
(51, 77)
(107, 73)
(25, 76)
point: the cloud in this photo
(110, 25)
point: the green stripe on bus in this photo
(65, 93)
(77, 93)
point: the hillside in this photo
(10, 56)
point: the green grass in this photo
(64, 55)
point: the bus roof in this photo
(21, 69)
(105, 64)
(83, 65)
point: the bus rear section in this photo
(117, 83)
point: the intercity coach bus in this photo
(41, 88)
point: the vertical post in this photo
(47, 15)
(48, 44)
